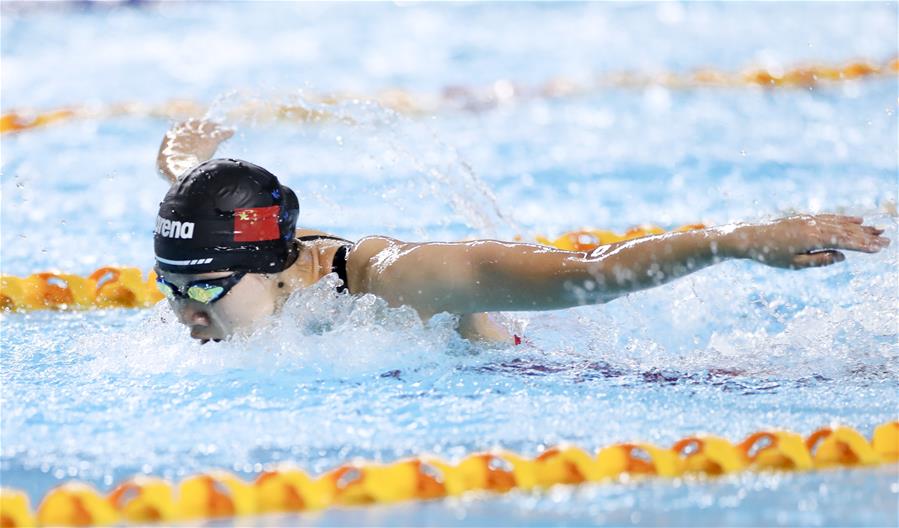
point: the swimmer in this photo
(228, 253)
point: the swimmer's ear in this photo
(818, 259)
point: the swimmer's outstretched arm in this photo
(188, 144)
(484, 276)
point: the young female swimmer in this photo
(228, 253)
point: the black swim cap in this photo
(226, 215)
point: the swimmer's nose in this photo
(193, 316)
(199, 318)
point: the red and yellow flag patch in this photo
(256, 224)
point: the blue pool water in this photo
(99, 396)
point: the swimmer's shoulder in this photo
(302, 232)
(364, 258)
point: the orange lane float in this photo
(778, 450)
(841, 446)
(76, 504)
(289, 489)
(316, 107)
(124, 287)
(886, 441)
(215, 495)
(478, 471)
(107, 287)
(361, 483)
(144, 500)
(222, 495)
(590, 239)
(710, 455)
(565, 465)
(14, 122)
(15, 509)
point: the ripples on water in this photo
(734, 348)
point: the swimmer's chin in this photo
(204, 335)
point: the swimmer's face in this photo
(245, 304)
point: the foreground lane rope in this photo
(472, 99)
(222, 495)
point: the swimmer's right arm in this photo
(188, 144)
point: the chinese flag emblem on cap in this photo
(257, 224)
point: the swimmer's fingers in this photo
(868, 244)
(817, 259)
(188, 143)
(215, 130)
(840, 218)
(852, 236)
(223, 133)
(202, 136)
(189, 125)
(204, 128)
(854, 225)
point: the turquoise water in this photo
(102, 395)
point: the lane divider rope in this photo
(107, 287)
(128, 287)
(220, 494)
(473, 99)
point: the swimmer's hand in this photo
(188, 144)
(804, 241)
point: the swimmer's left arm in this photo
(489, 275)
(613, 270)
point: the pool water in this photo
(99, 396)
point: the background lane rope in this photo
(475, 99)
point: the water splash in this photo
(406, 153)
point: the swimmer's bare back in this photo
(474, 277)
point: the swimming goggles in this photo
(205, 291)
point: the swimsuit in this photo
(338, 263)
(338, 266)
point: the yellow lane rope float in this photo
(467, 98)
(107, 287)
(219, 494)
(123, 287)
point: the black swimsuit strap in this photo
(338, 263)
(338, 266)
(310, 238)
